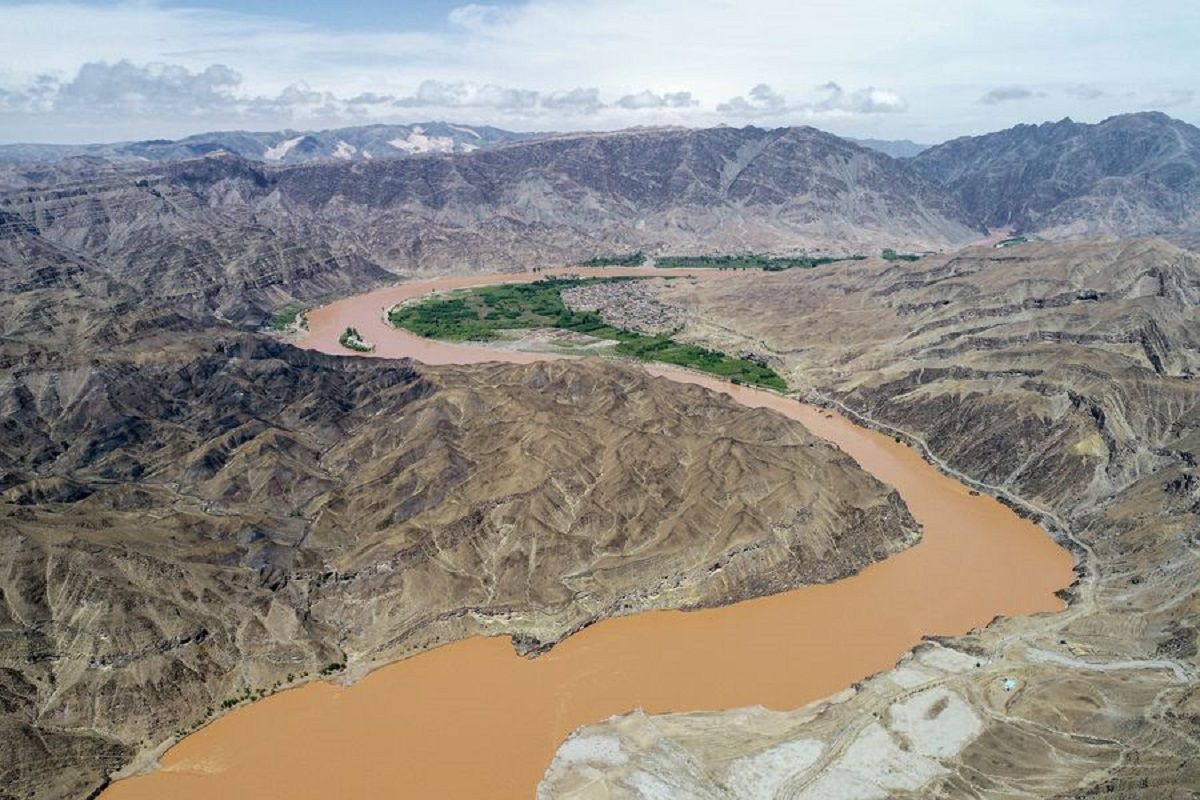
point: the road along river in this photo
(472, 719)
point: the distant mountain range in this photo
(896, 148)
(239, 235)
(174, 227)
(338, 144)
(283, 147)
(1130, 175)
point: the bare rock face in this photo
(715, 190)
(1061, 374)
(1130, 175)
(238, 228)
(169, 247)
(193, 525)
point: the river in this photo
(472, 719)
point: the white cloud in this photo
(579, 101)
(1005, 94)
(864, 101)
(477, 16)
(762, 100)
(648, 99)
(464, 94)
(159, 92)
(214, 97)
(370, 99)
(631, 51)
(124, 87)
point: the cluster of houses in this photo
(624, 304)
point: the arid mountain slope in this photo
(1055, 348)
(189, 519)
(717, 189)
(285, 147)
(1062, 375)
(169, 246)
(228, 225)
(1130, 175)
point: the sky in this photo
(925, 70)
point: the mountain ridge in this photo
(554, 200)
(283, 146)
(1129, 175)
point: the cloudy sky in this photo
(925, 70)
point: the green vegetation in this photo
(627, 260)
(1011, 241)
(351, 339)
(479, 314)
(749, 261)
(891, 255)
(285, 317)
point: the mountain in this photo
(222, 231)
(170, 246)
(718, 189)
(284, 147)
(235, 515)
(1061, 373)
(1130, 175)
(896, 148)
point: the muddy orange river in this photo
(473, 719)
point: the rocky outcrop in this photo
(232, 227)
(1061, 377)
(1130, 175)
(192, 522)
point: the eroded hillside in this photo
(1059, 376)
(551, 201)
(207, 520)
(1130, 175)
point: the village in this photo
(624, 304)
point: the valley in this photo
(945, 532)
(1060, 374)
(405, 727)
(480, 314)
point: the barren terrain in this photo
(1058, 376)
(198, 527)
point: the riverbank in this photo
(407, 727)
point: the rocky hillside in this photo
(236, 228)
(168, 244)
(1062, 377)
(1052, 347)
(719, 189)
(200, 520)
(191, 517)
(286, 147)
(1130, 175)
